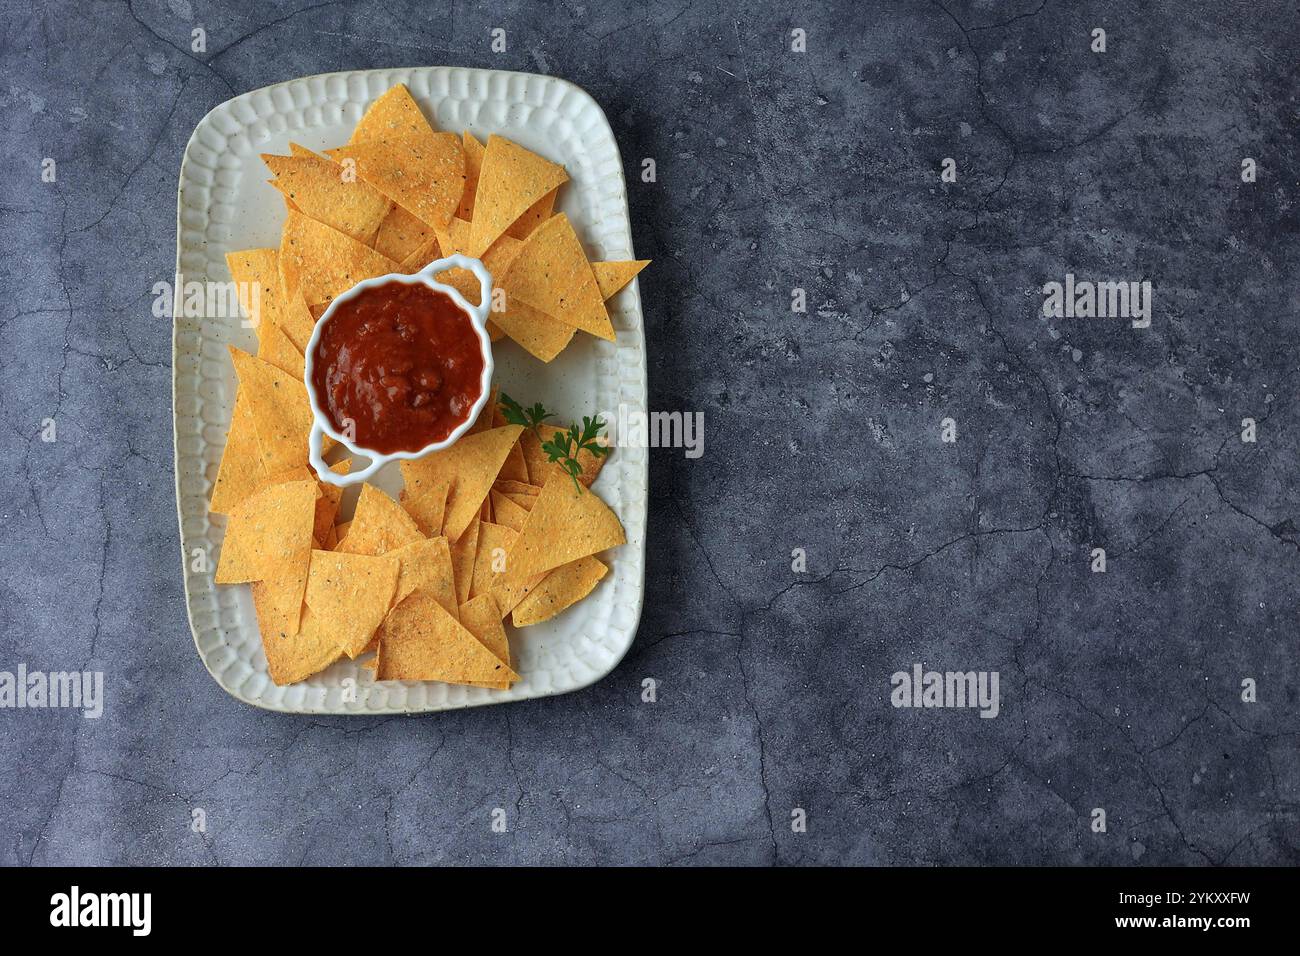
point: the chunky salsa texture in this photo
(401, 363)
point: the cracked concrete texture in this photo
(776, 170)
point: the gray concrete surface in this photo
(777, 170)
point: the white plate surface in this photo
(225, 204)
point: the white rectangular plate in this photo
(226, 204)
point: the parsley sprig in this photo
(563, 447)
(516, 414)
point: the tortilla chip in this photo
(463, 553)
(422, 173)
(425, 500)
(296, 150)
(275, 347)
(473, 164)
(341, 530)
(426, 566)
(298, 321)
(470, 466)
(496, 260)
(485, 511)
(539, 334)
(507, 512)
(327, 505)
(427, 252)
(524, 501)
(352, 592)
(280, 412)
(320, 189)
(420, 640)
(257, 276)
(565, 524)
(612, 276)
(268, 533)
(482, 618)
(453, 236)
(512, 180)
(562, 588)
(511, 487)
(551, 273)
(494, 544)
(320, 262)
(379, 525)
(533, 216)
(241, 471)
(515, 467)
(393, 115)
(291, 657)
(401, 234)
(540, 467)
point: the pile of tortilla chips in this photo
(485, 530)
(398, 196)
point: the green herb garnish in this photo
(563, 448)
(516, 414)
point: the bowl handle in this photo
(481, 311)
(327, 474)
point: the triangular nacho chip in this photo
(539, 334)
(561, 588)
(424, 173)
(494, 544)
(425, 253)
(276, 347)
(401, 234)
(298, 321)
(473, 165)
(520, 492)
(393, 115)
(565, 524)
(269, 539)
(320, 188)
(292, 657)
(426, 565)
(425, 500)
(463, 553)
(353, 592)
(612, 276)
(420, 640)
(515, 467)
(482, 618)
(320, 262)
(327, 505)
(507, 512)
(241, 471)
(512, 180)
(281, 414)
(379, 525)
(551, 273)
(470, 465)
(533, 216)
(257, 285)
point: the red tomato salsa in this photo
(402, 363)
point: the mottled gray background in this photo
(776, 170)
